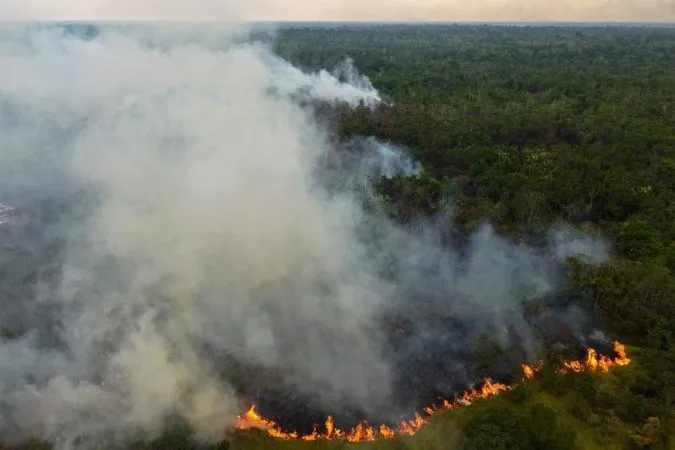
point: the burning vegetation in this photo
(365, 432)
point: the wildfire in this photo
(365, 432)
(529, 370)
(594, 361)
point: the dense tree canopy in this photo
(524, 127)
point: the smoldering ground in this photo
(184, 239)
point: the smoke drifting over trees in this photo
(174, 208)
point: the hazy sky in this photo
(450, 10)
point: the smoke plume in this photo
(173, 218)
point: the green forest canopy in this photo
(524, 127)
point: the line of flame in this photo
(365, 432)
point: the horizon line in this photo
(360, 22)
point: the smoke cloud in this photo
(167, 210)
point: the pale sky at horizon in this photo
(336, 10)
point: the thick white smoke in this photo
(188, 223)
(345, 84)
(204, 229)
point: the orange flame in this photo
(364, 432)
(596, 362)
(530, 370)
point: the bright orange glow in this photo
(528, 371)
(596, 362)
(364, 432)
